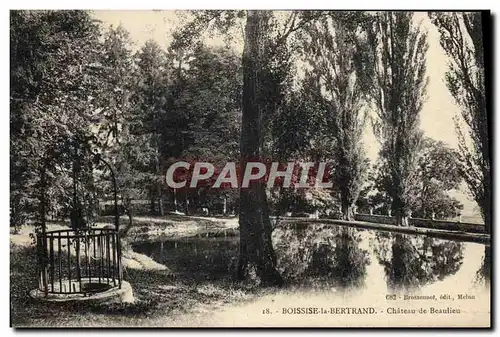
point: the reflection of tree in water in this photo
(293, 245)
(412, 261)
(484, 273)
(343, 260)
(323, 252)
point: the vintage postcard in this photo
(250, 168)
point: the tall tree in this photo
(461, 37)
(53, 105)
(150, 99)
(399, 64)
(332, 48)
(205, 117)
(438, 173)
(255, 226)
(116, 66)
(262, 65)
(125, 151)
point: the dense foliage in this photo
(461, 37)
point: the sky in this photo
(436, 117)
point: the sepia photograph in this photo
(250, 168)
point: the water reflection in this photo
(347, 263)
(413, 261)
(331, 256)
(194, 258)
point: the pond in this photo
(325, 256)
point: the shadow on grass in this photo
(158, 294)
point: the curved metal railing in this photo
(78, 261)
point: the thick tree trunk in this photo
(402, 220)
(487, 217)
(43, 200)
(129, 225)
(486, 207)
(175, 200)
(256, 248)
(152, 207)
(159, 183)
(76, 210)
(487, 263)
(346, 207)
(130, 219)
(186, 202)
(74, 217)
(160, 203)
(130, 215)
(160, 199)
(400, 211)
